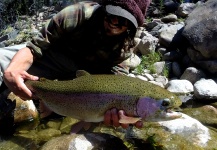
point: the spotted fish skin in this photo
(88, 97)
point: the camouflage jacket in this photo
(74, 39)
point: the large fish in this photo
(88, 97)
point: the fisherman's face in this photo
(115, 25)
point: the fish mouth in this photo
(169, 113)
(169, 110)
(165, 115)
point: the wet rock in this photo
(170, 6)
(177, 71)
(208, 65)
(200, 30)
(55, 124)
(67, 123)
(87, 141)
(157, 29)
(159, 66)
(17, 143)
(25, 110)
(142, 77)
(151, 25)
(169, 18)
(148, 76)
(147, 44)
(205, 89)
(161, 50)
(171, 35)
(161, 79)
(206, 114)
(194, 54)
(180, 86)
(7, 107)
(185, 9)
(192, 130)
(47, 134)
(172, 56)
(187, 62)
(132, 62)
(193, 74)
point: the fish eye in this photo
(165, 102)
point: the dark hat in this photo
(133, 10)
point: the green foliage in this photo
(155, 145)
(147, 62)
(161, 7)
(10, 10)
(181, 1)
(165, 71)
(148, 19)
(23, 36)
(181, 20)
(6, 31)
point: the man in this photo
(84, 36)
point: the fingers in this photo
(107, 118)
(15, 82)
(115, 117)
(139, 124)
(29, 76)
(24, 92)
(112, 117)
(121, 113)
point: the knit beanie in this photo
(133, 10)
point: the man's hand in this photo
(15, 82)
(15, 75)
(112, 116)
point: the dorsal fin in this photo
(80, 73)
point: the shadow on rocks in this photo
(7, 107)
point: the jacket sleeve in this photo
(62, 23)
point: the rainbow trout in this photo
(88, 97)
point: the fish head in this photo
(173, 101)
(150, 109)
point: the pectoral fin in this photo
(128, 120)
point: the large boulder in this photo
(201, 32)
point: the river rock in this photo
(205, 89)
(206, 114)
(200, 30)
(193, 74)
(169, 18)
(180, 86)
(192, 130)
(25, 110)
(185, 9)
(171, 35)
(87, 141)
(147, 44)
